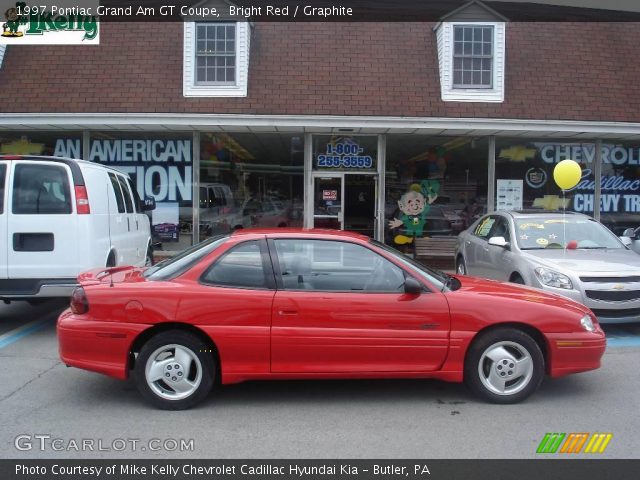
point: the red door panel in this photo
(358, 332)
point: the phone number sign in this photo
(344, 155)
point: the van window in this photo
(204, 202)
(126, 193)
(3, 174)
(41, 189)
(118, 192)
(221, 199)
(136, 197)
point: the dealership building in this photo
(233, 123)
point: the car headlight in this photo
(587, 323)
(552, 278)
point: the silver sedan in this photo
(565, 253)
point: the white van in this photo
(60, 217)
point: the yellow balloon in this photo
(567, 174)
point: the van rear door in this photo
(42, 225)
(3, 220)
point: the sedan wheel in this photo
(461, 268)
(175, 370)
(504, 366)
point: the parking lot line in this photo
(623, 342)
(22, 331)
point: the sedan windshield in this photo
(174, 266)
(536, 233)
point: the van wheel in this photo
(148, 261)
(175, 370)
(505, 365)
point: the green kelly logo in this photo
(39, 21)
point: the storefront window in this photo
(524, 175)
(250, 180)
(435, 186)
(160, 166)
(620, 184)
(60, 144)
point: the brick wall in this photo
(573, 71)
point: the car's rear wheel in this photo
(504, 365)
(461, 267)
(175, 370)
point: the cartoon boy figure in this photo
(415, 208)
(10, 27)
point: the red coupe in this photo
(293, 304)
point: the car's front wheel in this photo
(175, 370)
(504, 365)
(461, 267)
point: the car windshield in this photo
(177, 265)
(536, 233)
(436, 277)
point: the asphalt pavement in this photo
(47, 410)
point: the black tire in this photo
(187, 341)
(514, 342)
(517, 278)
(461, 267)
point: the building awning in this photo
(565, 129)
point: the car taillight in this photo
(82, 200)
(79, 303)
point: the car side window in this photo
(484, 226)
(240, 267)
(118, 192)
(324, 265)
(137, 202)
(128, 203)
(500, 229)
(3, 175)
(41, 189)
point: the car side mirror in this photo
(412, 286)
(629, 232)
(499, 242)
(626, 240)
(149, 204)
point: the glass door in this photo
(327, 201)
(360, 203)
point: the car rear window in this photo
(175, 266)
(41, 189)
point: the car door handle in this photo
(287, 312)
(429, 325)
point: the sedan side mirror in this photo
(412, 286)
(626, 240)
(149, 204)
(629, 232)
(499, 242)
